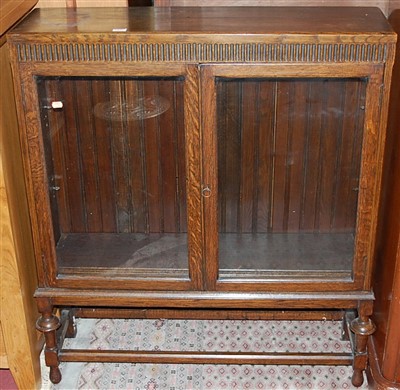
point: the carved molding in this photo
(203, 52)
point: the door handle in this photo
(206, 192)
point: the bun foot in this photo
(55, 375)
(358, 378)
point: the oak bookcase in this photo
(204, 163)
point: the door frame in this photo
(370, 175)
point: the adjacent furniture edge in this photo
(384, 345)
(20, 343)
(375, 378)
(13, 10)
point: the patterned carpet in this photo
(190, 335)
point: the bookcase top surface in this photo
(207, 20)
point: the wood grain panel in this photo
(280, 152)
(106, 193)
(347, 170)
(51, 120)
(12, 10)
(330, 136)
(116, 115)
(17, 267)
(73, 159)
(168, 161)
(296, 157)
(3, 352)
(248, 165)
(193, 176)
(312, 155)
(229, 149)
(183, 168)
(88, 147)
(153, 165)
(386, 282)
(266, 104)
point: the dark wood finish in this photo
(48, 323)
(298, 315)
(268, 135)
(385, 343)
(196, 20)
(194, 357)
(140, 3)
(199, 299)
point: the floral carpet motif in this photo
(191, 335)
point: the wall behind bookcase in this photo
(387, 6)
(81, 3)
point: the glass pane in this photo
(289, 153)
(115, 154)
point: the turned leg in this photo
(362, 327)
(48, 324)
(345, 331)
(68, 318)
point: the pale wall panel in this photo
(82, 3)
(385, 5)
(382, 4)
(50, 3)
(394, 4)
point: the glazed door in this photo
(123, 204)
(287, 176)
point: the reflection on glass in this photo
(289, 153)
(141, 108)
(115, 155)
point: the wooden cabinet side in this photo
(386, 340)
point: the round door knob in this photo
(206, 192)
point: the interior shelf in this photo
(249, 253)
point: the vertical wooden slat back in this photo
(280, 174)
